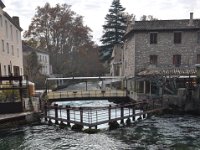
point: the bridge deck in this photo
(82, 94)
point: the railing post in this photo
(45, 111)
(56, 113)
(81, 114)
(144, 109)
(153, 104)
(109, 113)
(122, 115)
(133, 111)
(68, 115)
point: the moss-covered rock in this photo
(128, 122)
(77, 127)
(113, 125)
(62, 125)
(91, 131)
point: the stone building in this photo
(116, 60)
(11, 58)
(167, 46)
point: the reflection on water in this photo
(156, 133)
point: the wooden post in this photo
(45, 112)
(68, 115)
(21, 90)
(122, 115)
(133, 109)
(144, 90)
(86, 88)
(153, 103)
(144, 109)
(56, 113)
(109, 113)
(81, 114)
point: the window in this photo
(177, 60)
(198, 58)
(198, 37)
(177, 37)
(0, 72)
(17, 52)
(16, 70)
(153, 38)
(17, 38)
(153, 59)
(6, 24)
(2, 42)
(11, 32)
(12, 50)
(7, 48)
(5, 72)
(9, 70)
(1, 21)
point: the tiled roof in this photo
(2, 4)
(164, 25)
(11, 20)
(167, 72)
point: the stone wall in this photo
(129, 57)
(165, 49)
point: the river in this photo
(167, 132)
(156, 133)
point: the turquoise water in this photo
(156, 133)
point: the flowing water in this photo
(168, 132)
(156, 133)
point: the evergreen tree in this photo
(114, 29)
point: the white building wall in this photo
(10, 46)
(43, 59)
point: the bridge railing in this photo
(93, 116)
(85, 94)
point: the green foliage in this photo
(114, 29)
(61, 32)
(148, 18)
(9, 95)
(32, 66)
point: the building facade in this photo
(116, 61)
(43, 59)
(42, 56)
(161, 45)
(11, 58)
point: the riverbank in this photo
(16, 119)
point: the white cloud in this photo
(94, 11)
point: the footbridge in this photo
(108, 88)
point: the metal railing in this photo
(85, 94)
(93, 116)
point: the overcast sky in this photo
(94, 11)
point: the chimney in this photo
(191, 23)
(16, 20)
